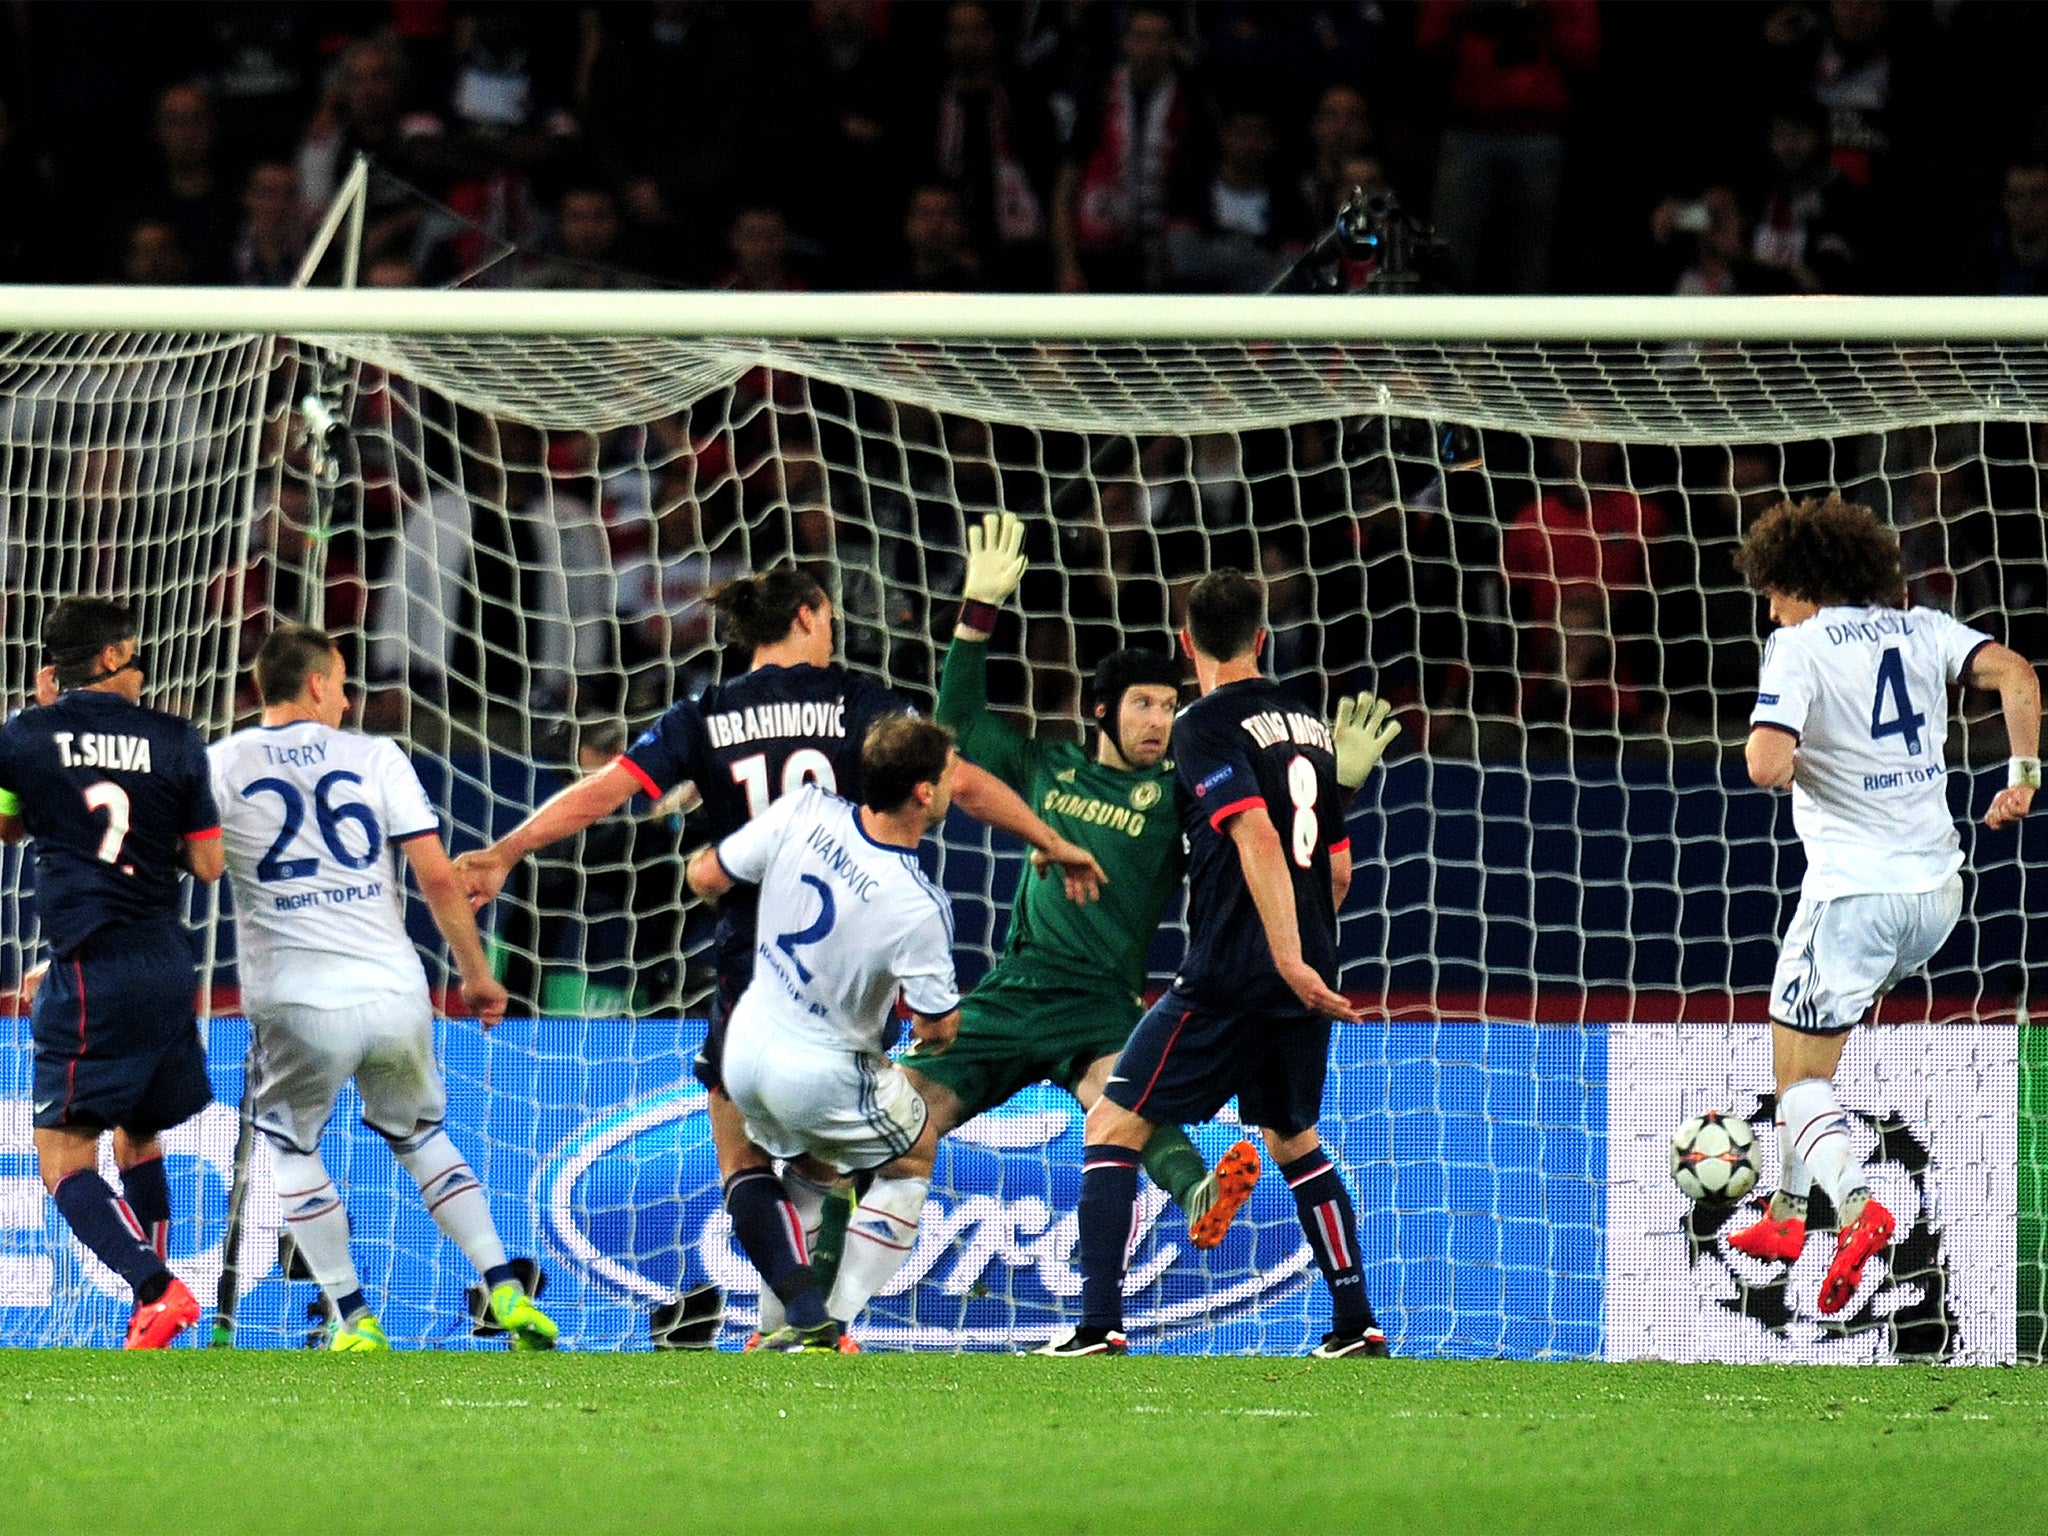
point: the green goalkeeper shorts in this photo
(1017, 1030)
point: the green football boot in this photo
(514, 1311)
(363, 1335)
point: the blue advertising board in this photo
(1477, 1154)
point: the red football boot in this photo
(1855, 1246)
(1772, 1240)
(154, 1326)
(1237, 1175)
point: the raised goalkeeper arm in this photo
(995, 564)
(1363, 732)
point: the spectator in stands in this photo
(587, 253)
(1579, 563)
(183, 186)
(273, 237)
(665, 577)
(1714, 239)
(845, 73)
(937, 257)
(1109, 205)
(364, 111)
(1841, 57)
(1234, 229)
(992, 143)
(760, 246)
(269, 588)
(681, 116)
(1339, 132)
(153, 254)
(2013, 258)
(551, 503)
(25, 194)
(1813, 222)
(1515, 68)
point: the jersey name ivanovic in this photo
(1094, 813)
(99, 749)
(733, 727)
(1272, 727)
(842, 864)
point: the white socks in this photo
(453, 1196)
(878, 1241)
(1818, 1136)
(314, 1217)
(1795, 1183)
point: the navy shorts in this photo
(709, 1066)
(117, 1041)
(1183, 1062)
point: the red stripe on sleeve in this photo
(640, 775)
(1343, 847)
(1223, 813)
(204, 835)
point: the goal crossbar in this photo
(1044, 317)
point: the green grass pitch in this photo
(294, 1444)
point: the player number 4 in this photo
(1301, 789)
(751, 774)
(1891, 679)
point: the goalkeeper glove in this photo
(995, 559)
(1363, 732)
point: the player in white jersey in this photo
(1852, 714)
(311, 816)
(847, 921)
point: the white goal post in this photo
(1513, 515)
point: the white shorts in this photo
(1843, 954)
(852, 1109)
(304, 1055)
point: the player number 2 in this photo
(1891, 679)
(809, 765)
(113, 799)
(828, 913)
(1301, 789)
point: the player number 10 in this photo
(751, 774)
(1301, 789)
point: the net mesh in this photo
(1528, 548)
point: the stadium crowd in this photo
(1557, 145)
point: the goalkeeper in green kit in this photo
(1069, 987)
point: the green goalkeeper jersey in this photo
(1125, 817)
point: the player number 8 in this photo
(1301, 789)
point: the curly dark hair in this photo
(1828, 552)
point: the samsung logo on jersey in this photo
(1094, 813)
(1868, 629)
(734, 727)
(1272, 728)
(96, 749)
(632, 1202)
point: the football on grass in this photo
(1713, 1157)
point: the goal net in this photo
(1568, 897)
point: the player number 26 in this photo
(328, 816)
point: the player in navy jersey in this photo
(1269, 861)
(118, 800)
(795, 717)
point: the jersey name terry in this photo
(1272, 728)
(97, 749)
(731, 728)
